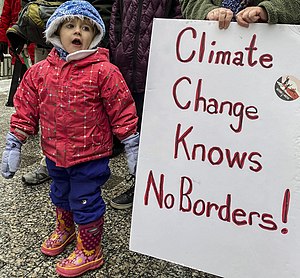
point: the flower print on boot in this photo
(63, 234)
(88, 252)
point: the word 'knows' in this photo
(214, 155)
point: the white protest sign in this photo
(218, 175)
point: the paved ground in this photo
(27, 217)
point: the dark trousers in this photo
(78, 188)
(18, 73)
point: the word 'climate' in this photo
(186, 53)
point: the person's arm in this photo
(25, 121)
(120, 108)
(275, 11)
(5, 21)
(118, 103)
(251, 15)
(282, 11)
(195, 9)
(206, 9)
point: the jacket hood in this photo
(68, 10)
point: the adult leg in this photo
(18, 72)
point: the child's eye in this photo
(70, 25)
(86, 28)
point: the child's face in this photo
(76, 34)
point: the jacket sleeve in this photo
(119, 104)
(280, 11)
(25, 121)
(5, 21)
(196, 9)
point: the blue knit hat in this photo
(69, 10)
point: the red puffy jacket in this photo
(79, 105)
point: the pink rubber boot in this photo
(88, 252)
(63, 234)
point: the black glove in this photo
(3, 50)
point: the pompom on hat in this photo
(69, 10)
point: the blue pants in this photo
(78, 188)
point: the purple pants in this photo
(78, 188)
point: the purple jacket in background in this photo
(130, 35)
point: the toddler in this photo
(80, 100)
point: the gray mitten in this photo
(131, 145)
(11, 157)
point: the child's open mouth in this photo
(76, 42)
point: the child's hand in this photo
(11, 157)
(251, 15)
(131, 145)
(222, 15)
